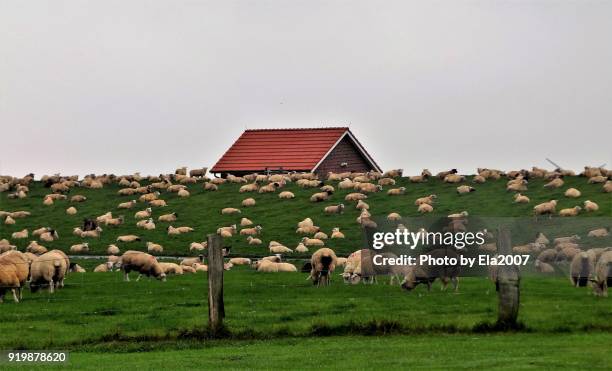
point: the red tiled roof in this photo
(291, 149)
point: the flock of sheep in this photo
(41, 267)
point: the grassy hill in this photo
(277, 217)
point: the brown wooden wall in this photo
(345, 151)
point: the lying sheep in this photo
(454, 178)
(270, 188)
(78, 198)
(479, 179)
(394, 217)
(112, 250)
(251, 231)
(198, 246)
(143, 214)
(208, 186)
(590, 206)
(248, 202)
(127, 205)
(253, 187)
(572, 193)
(279, 249)
(320, 196)
(425, 200)
(323, 263)
(570, 211)
(191, 261)
(465, 189)
(272, 267)
(113, 221)
(517, 187)
(230, 211)
(158, 203)
(334, 209)
(168, 218)
(607, 187)
(128, 238)
(361, 205)
(49, 269)
(425, 208)
(178, 230)
(554, 184)
(80, 248)
(240, 261)
(543, 267)
(142, 263)
(301, 248)
(253, 241)
(521, 199)
(102, 268)
(561, 240)
(171, 268)
(396, 191)
(286, 195)
(312, 242)
(71, 210)
(355, 197)
(599, 232)
(367, 187)
(581, 269)
(154, 248)
(336, 233)
(597, 179)
(183, 193)
(49, 236)
(20, 235)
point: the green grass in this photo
(278, 217)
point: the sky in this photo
(122, 86)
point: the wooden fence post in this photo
(509, 283)
(216, 310)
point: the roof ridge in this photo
(296, 129)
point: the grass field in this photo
(277, 217)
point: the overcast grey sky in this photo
(124, 86)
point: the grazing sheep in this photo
(80, 248)
(14, 273)
(323, 263)
(154, 248)
(128, 238)
(425, 200)
(248, 202)
(581, 269)
(572, 193)
(251, 231)
(545, 208)
(521, 199)
(603, 274)
(394, 217)
(427, 274)
(286, 195)
(230, 211)
(143, 214)
(9, 279)
(465, 189)
(49, 269)
(334, 209)
(570, 212)
(396, 191)
(112, 250)
(142, 263)
(590, 206)
(554, 184)
(253, 241)
(599, 232)
(355, 197)
(168, 218)
(425, 208)
(126, 205)
(20, 235)
(279, 249)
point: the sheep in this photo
(607, 187)
(112, 250)
(14, 273)
(394, 217)
(361, 205)
(9, 221)
(158, 203)
(198, 246)
(305, 183)
(543, 267)
(171, 268)
(599, 232)
(20, 235)
(320, 196)
(336, 233)
(9, 279)
(227, 231)
(312, 242)
(230, 211)
(253, 187)
(323, 263)
(49, 269)
(590, 206)
(479, 179)
(562, 240)
(279, 249)
(554, 184)
(128, 238)
(240, 261)
(572, 193)
(521, 199)
(465, 189)
(582, 267)
(301, 248)
(393, 173)
(367, 187)
(208, 186)
(307, 222)
(517, 187)
(248, 202)
(460, 215)
(114, 221)
(427, 274)
(143, 214)
(6, 246)
(188, 269)
(362, 215)
(126, 192)
(320, 236)
(327, 188)
(48, 201)
(603, 274)
(253, 241)
(78, 198)
(286, 195)
(386, 181)
(425, 208)
(548, 256)
(218, 181)
(273, 267)
(39, 231)
(200, 267)
(198, 172)
(453, 178)
(355, 197)
(545, 208)
(154, 248)
(334, 209)
(126, 205)
(80, 248)
(251, 231)
(417, 179)
(570, 211)
(20, 214)
(597, 179)
(182, 229)
(270, 188)
(188, 262)
(425, 200)
(396, 191)
(168, 218)
(141, 262)
(346, 184)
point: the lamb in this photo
(154, 248)
(240, 261)
(126, 205)
(572, 193)
(581, 269)
(158, 203)
(545, 208)
(554, 184)
(20, 235)
(361, 205)
(112, 250)
(279, 249)
(245, 222)
(570, 211)
(465, 189)
(80, 248)
(396, 191)
(141, 262)
(301, 248)
(425, 200)
(323, 263)
(590, 206)
(248, 202)
(251, 231)
(425, 208)
(49, 269)
(355, 197)
(603, 274)
(230, 211)
(198, 246)
(253, 241)
(334, 209)
(599, 232)
(248, 188)
(143, 214)
(168, 218)
(321, 196)
(286, 195)
(128, 238)
(521, 199)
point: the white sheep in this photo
(572, 193)
(248, 202)
(286, 195)
(590, 206)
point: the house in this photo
(318, 150)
